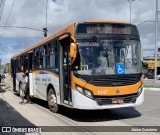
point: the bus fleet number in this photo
(102, 92)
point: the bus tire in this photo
(52, 101)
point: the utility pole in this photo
(130, 2)
(130, 5)
(156, 32)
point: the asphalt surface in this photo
(147, 114)
(150, 82)
(8, 115)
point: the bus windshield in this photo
(100, 58)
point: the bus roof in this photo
(69, 29)
(106, 21)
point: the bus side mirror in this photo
(73, 52)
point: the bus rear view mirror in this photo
(73, 52)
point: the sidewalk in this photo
(9, 116)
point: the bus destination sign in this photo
(108, 30)
(103, 29)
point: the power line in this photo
(2, 4)
(7, 18)
(20, 27)
(1, 7)
(44, 29)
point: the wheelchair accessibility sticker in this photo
(120, 68)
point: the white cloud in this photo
(6, 58)
(63, 12)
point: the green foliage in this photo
(144, 65)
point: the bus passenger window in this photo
(36, 58)
(25, 65)
(44, 56)
(18, 65)
(21, 64)
(48, 55)
(41, 57)
(53, 55)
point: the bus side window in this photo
(25, 64)
(41, 57)
(36, 58)
(48, 55)
(53, 54)
(21, 67)
(32, 67)
(44, 55)
(18, 64)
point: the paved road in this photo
(150, 82)
(38, 114)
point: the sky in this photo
(32, 13)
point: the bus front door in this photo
(65, 80)
(30, 56)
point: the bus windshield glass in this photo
(100, 58)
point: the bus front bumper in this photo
(80, 101)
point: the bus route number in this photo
(102, 92)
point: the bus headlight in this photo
(88, 93)
(79, 88)
(140, 90)
(85, 92)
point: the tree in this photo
(144, 66)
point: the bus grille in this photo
(108, 100)
(111, 80)
(121, 80)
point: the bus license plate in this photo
(117, 101)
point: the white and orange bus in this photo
(89, 65)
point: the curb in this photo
(154, 89)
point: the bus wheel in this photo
(52, 101)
